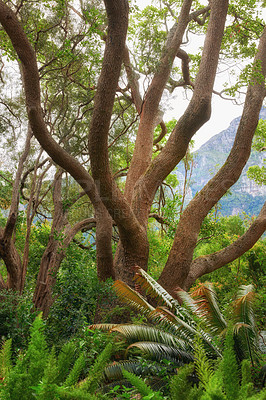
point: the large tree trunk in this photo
(130, 211)
(177, 270)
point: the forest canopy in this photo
(88, 156)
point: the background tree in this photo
(157, 50)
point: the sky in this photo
(223, 111)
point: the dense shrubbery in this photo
(81, 300)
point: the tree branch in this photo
(206, 264)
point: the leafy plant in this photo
(40, 374)
(182, 334)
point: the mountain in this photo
(245, 195)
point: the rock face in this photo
(245, 195)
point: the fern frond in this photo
(91, 383)
(66, 358)
(207, 308)
(132, 298)
(75, 372)
(180, 386)
(230, 368)
(5, 359)
(74, 394)
(203, 366)
(141, 386)
(37, 353)
(159, 351)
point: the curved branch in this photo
(206, 264)
(194, 214)
(185, 66)
(133, 82)
(26, 174)
(112, 197)
(197, 112)
(143, 154)
(162, 134)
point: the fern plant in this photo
(40, 374)
(173, 330)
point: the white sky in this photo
(223, 111)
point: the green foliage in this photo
(91, 383)
(5, 189)
(74, 374)
(78, 293)
(256, 172)
(146, 392)
(5, 358)
(180, 385)
(213, 390)
(40, 374)
(230, 368)
(203, 366)
(16, 317)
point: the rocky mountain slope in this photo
(245, 195)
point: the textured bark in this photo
(206, 264)
(148, 118)
(196, 114)
(8, 251)
(130, 210)
(179, 262)
(30, 75)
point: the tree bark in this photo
(30, 75)
(206, 264)
(178, 265)
(8, 251)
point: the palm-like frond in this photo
(185, 332)
(154, 289)
(173, 324)
(159, 351)
(103, 327)
(136, 333)
(245, 334)
(243, 305)
(206, 307)
(132, 298)
(113, 372)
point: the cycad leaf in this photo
(103, 327)
(170, 321)
(114, 371)
(159, 351)
(154, 289)
(132, 298)
(207, 308)
(183, 330)
(245, 328)
(136, 333)
(243, 305)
